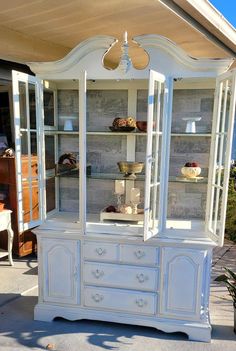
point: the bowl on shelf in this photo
(142, 126)
(121, 129)
(191, 170)
(130, 168)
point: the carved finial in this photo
(125, 61)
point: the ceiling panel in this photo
(47, 29)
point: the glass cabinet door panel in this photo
(193, 100)
(26, 90)
(50, 168)
(32, 104)
(156, 109)
(50, 194)
(223, 116)
(49, 107)
(68, 110)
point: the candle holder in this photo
(191, 124)
(135, 207)
(119, 200)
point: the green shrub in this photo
(230, 225)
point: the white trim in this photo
(154, 77)
(75, 55)
(201, 64)
(25, 78)
(90, 53)
(215, 146)
(82, 149)
(212, 15)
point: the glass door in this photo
(222, 131)
(154, 185)
(27, 101)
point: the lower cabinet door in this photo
(182, 283)
(60, 260)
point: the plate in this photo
(121, 129)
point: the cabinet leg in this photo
(10, 243)
(198, 334)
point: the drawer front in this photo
(100, 251)
(139, 254)
(121, 276)
(115, 299)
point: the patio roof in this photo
(46, 30)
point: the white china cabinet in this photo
(129, 248)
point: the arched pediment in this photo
(165, 57)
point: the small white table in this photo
(5, 224)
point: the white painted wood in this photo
(219, 172)
(18, 77)
(116, 216)
(115, 299)
(5, 224)
(165, 152)
(120, 276)
(196, 331)
(139, 254)
(151, 229)
(82, 147)
(60, 284)
(100, 251)
(182, 283)
(165, 56)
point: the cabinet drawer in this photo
(115, 299)
(120, 276)
(139, 254)
(100, 251)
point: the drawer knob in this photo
(97, 297)
(141, 277)
(100, 251)
(141, 302)
(97, 273)
(139, 254)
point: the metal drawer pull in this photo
(97, 273)
(141, 277)
(139, 253)
(97, 297)
(141, 302)
(100, 251)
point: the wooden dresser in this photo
(24, 242)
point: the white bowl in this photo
(191, 172)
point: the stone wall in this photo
(103, 152)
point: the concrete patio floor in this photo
(19, 332)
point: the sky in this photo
(227, 8)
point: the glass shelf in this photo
(113, 176)
(139, 177)
(109, 133)
(191, 134)
(137, 133)
(102, 176)
(202, 180)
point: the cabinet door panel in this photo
(60, 271)
(182, 283)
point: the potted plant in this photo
(229, 279)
